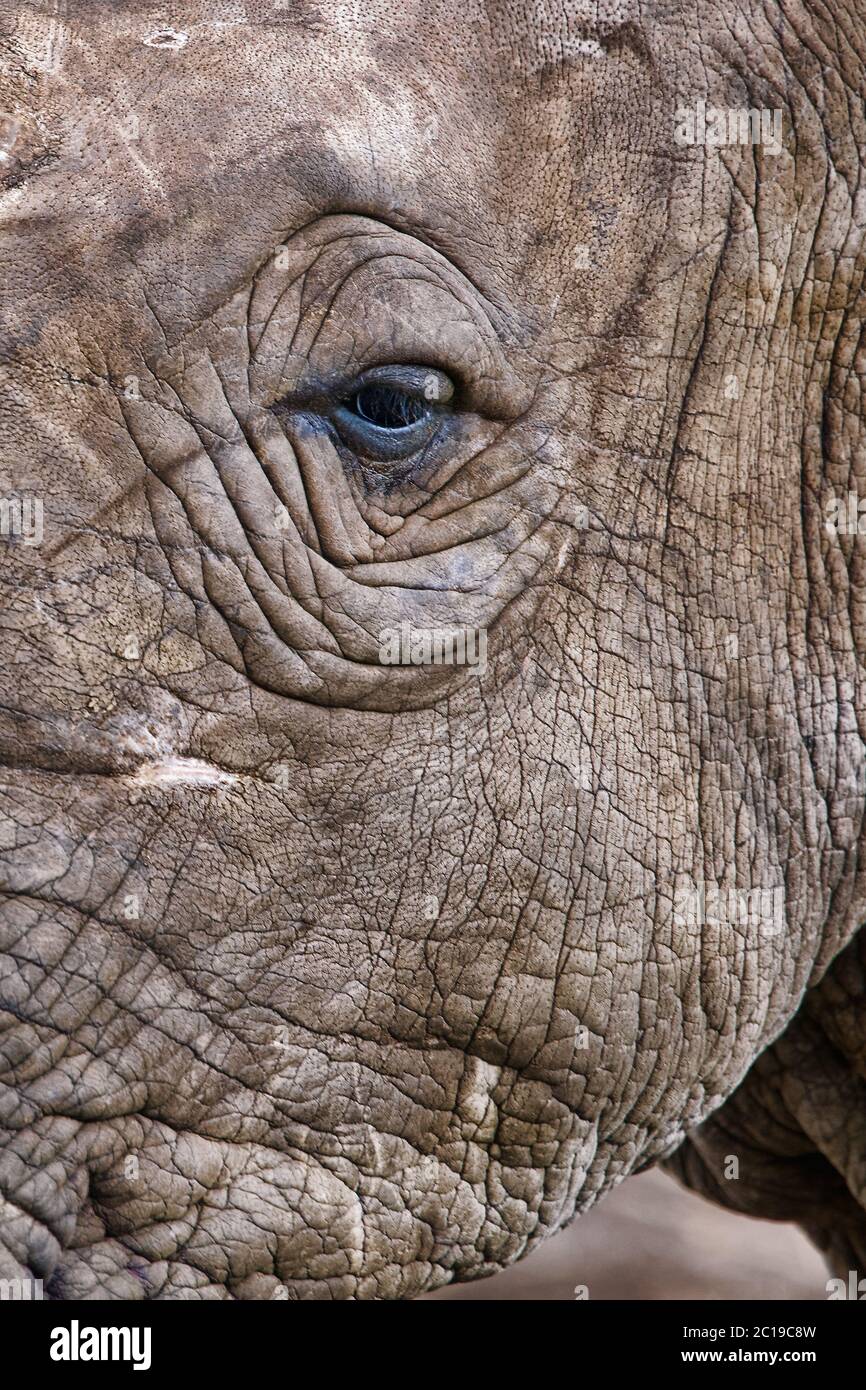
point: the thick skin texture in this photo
(326, 978)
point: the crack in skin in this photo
(322, 977)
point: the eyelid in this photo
(427, 383)
(369, 441)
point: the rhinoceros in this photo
(432, 632)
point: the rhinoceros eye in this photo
(391, 413)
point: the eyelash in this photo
(388, 403)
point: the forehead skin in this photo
(491, 136)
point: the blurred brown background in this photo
(651, 1239)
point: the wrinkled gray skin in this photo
(391, 980)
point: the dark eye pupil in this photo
(388, 408)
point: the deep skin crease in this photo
(345, 979)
